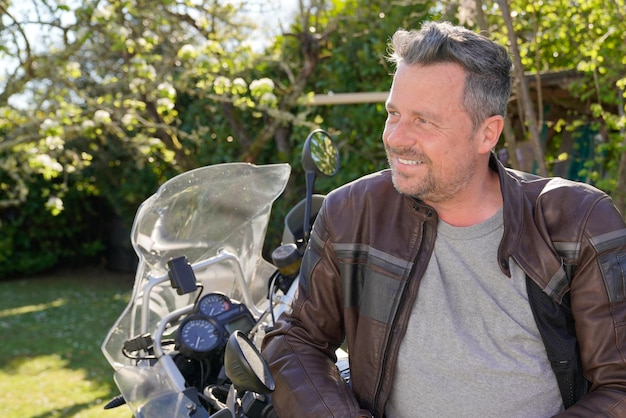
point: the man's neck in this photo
(475, 205)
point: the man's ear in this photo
(489, 133)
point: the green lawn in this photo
(51, 329)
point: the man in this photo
(461, 288)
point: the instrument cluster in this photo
(207, 329)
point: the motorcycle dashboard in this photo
(213, 304)
(215, 318)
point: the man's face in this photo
(428, 135)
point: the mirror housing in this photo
(320, 156)
(245, 367)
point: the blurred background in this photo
(101, 101)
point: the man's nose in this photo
(398, 134)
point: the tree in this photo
(143, 84)
(105, 99)
(589, 37)
(522, 90)
(119, 95)
(354, 61)
(92, 100)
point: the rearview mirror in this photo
(245, 367)
(320, 156)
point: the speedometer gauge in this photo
(213, 304)
(197, 336)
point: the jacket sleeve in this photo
(301, 349)
(598, 301)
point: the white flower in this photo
(136, 83)
(149, 72)
(88, 124)
(45, 161)
(128, 119)
(166, 103)
(239, 86)
(104, 14)
(54, 142)
(102, 116)
(222, 81)
(54, 204)
(202, 22)
(187, 51)
(259, 87)
(124, 32)
(167, 90)
(150, 36)
(268, 99)
(48, 124)
(221, 84)
(73, 69)
(262, 83)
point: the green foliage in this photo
(352, 60)
(33, 239)
(586, 40)
(353, 40)
(141, 91)
(357, 63)
(100, 112)
(588, 36)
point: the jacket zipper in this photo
(401, 304)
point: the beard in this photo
(429, 185)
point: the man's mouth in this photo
(409, 162)
(406, 157)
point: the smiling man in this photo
(428, 131)
(461, 288)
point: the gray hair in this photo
(487, 64)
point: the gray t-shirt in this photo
(472, 347)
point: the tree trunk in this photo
(510, 144)
(620, 192)
(523, 92)
(509, 136)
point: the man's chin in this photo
(406, 186)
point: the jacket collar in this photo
(526, 237)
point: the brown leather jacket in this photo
(362, 269)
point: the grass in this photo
(51, 329)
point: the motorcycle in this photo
(186, 345)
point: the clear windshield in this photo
(200, 214)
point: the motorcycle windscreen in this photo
(149, 392)
(197, 214)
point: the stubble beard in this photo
(420, 188)
(417, 187)
(426, 187)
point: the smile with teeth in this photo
(409, 162)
